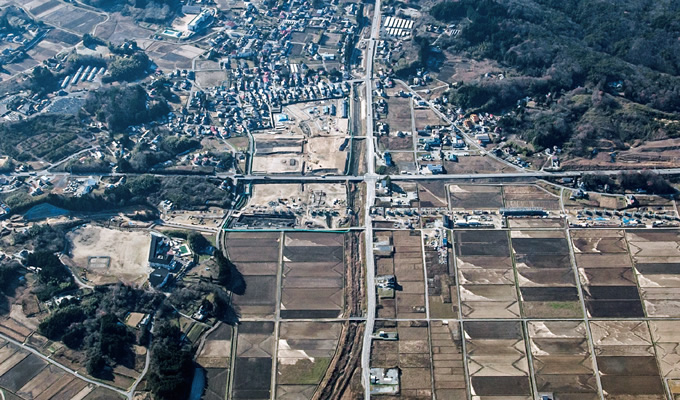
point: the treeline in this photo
(122, 106)
(171, 370)
(9, 280)
(43, 237)
(94, 324)
(580, 119)
(13, 19)
(8, 277)
(622, 49)
(53, 276)
(127, 68)
(186, 192)
(645, 181)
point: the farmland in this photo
(293, 283)
(527, 306)
(30, 377)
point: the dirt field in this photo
(545, 275)
(127, 254)
(253, 366)
(625, 357)
(215, 355)
(304, 352)
(210, 218)
(432, 195)
(29, 377)
(466, 197)
(405, 161)
(475, 164)
(410, 353)
(486, 276)
(498, 364)
(393, 143)
(606, 274)
(667, 340)
(406, 264)
(530, 196)
(449, 372)
(324, 156)
(399, 114)
(276, 154)
(313, 203)
(256, 256)
(426, 117)
(313, 274)
(72, 19)
(206, 79)
(120, 28)
(170, 56)
(277, 164)
(656, 258)
(562, 360)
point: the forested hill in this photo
(626, 48)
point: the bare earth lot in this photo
(127, 251)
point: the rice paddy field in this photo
(290, 315)
(531, 308)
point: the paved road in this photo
(351, 178)
(370, 179)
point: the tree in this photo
(115, 339)
(59, 322)
(91, 41)
(423, 51)
(448, 11)
(197, 242)
(43, 81)
(121, 107)
(74, 337)
(225, 269)
(54, 277)
(95, 363)
(171, 369)
(593, 181)
(128, 69)
(8, 277)
(647, 181)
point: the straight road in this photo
(370, 180)
(352, 178)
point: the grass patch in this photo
(303, 372)
(195, 332)
(439, 309)
(564, 305)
